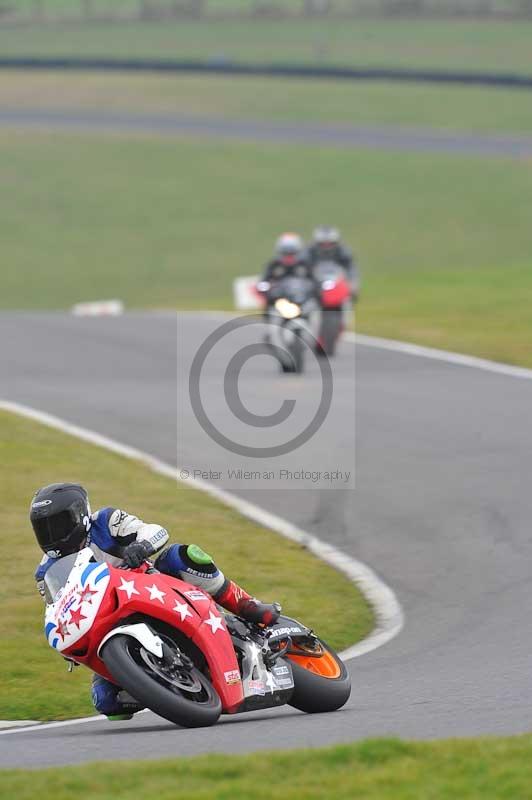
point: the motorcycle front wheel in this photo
(321, 680)
(295, 362)
(170, 686)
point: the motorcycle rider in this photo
(289, 259)
(62, 521)
(327, 245)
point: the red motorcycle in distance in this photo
(336, 293)
(172, 648)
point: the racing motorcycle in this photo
(293, 314)
(176, 652)
(335, 296)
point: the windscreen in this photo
(57, 576)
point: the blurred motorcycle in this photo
(293, 314)
(335, 298)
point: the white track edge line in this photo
(408, 348)
(389, 616)
(448, 356)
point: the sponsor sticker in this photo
(280, 670)
(257, 687)
(194, 594)
(284, 682)
(41, 503)
(288, 631)
(66, 600)
(68, 605)
(232, 677)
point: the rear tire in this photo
(122, 655)
(315, 693)
(331, 323)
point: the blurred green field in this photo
(34, 682)
(501, 46)
(461, 108)
(376, 769)
(445, 242)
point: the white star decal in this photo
(183, 610)
(155, 593)
(128, 587)
(215, 622)
(270, 681)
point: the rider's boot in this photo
(239, 602)
(111, 700)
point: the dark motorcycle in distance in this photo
(336, 293)
(293, 314)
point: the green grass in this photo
(445, 242)
(34, 681)
(475, 45)
(379, 769)
(454, 108)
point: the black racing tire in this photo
(296, 364)
(118, 655)
(315, 693)
(331, 323)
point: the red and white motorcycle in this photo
(336, 293)
(176, 652)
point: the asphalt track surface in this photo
(441, 510)
(422, 140)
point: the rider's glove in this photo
(137, 552)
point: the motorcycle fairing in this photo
(76, 605)
(119, 595)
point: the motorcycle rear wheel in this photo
(320, 684)
(330, 329)
(129, 664)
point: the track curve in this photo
(374, 137)
(441, 509)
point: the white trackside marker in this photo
(128, 587)
(155, 593)
(214, 622)
(183, 610)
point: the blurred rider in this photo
(327, 245)
(63, 524)
(289, 259)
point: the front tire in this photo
(190, 701)
(295, 363)
(320, 684)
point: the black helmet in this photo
(61, 518)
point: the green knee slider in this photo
(197, 555)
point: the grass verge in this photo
(463, 108)
(34, 684)
(444, 241)
(502, 46)
(380, 769)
